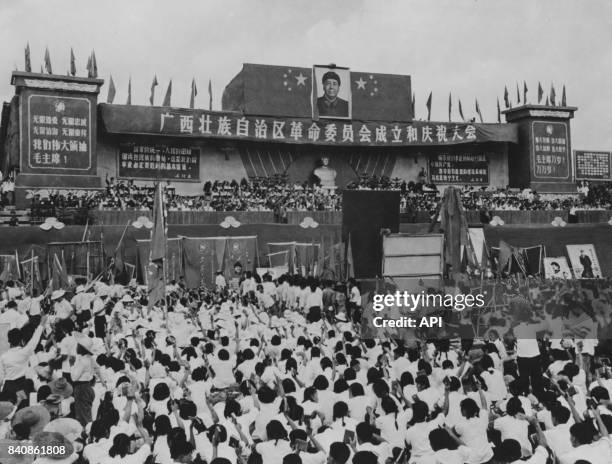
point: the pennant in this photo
(156, 287)
(111, 91)
(524, 92)
(194, 93)
(552, 95)
(498, 111)
(478, 110)
(129, 97)
(168, 96)
(94, 65)
(209, 95)
(429, 106)
(540, 93)
(450, 106)
(412, 104)
(59, 273)
(518, 95)
(41, 69)
(28, 62)
(506, 98)
(72, 63)
(547, 101)
(153, 85)
(461, 111)
(48, 62)
(563, 99)
(89, 68)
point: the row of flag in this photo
(91, 67)
(112, 91)
(551, 100)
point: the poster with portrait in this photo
(584, 261)
(331, 93)
(557, 268)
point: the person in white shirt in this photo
(13, 317)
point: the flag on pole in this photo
(498, 111)
(518, 94)
(450, 106)
(540, 93)
(461, 111)
(209, 95)
(350, 266)
(563, 99)
(89, 68)
(111, 90)
(48, 62)
(505, 254)
(155, 272)
(129, 97)
(28, 62)
(553, 96)
(94, 65)
(478, 110)
(153, 85)
(59, 273)
(547, 101)
(72, 63)
(524, 92)
(428, 104)
(412, 104)
(506, 98)
(168, 96)
(194, 93)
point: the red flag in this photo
(478, 110)
(129, 97)
(461, 111)
(48, 62)
(94, 65)
(111, 91)
(540, 93)
(563, 99)
(428, 104)
(350, 266)
(507, 98)
(59, 273)
(412, 104)
(89, 68)
(153, 85)
(498, 111)
(72, 63)
(518, 94)
(194, 93)
(524, 92)
(450, 106)
(553, 95)
(28, 62)
(209, 95)
(168, 96)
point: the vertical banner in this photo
(241, 250)
(173, 262)
(202, 257)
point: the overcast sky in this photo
(472, 48)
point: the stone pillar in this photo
(542, 159)
(57, 133)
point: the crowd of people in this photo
(279, 195)
(264, 371)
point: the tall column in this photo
(542, 159)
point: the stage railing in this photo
(120, 217)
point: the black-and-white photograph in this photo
(290, 232)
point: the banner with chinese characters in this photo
(593, 165)
(459, 168)
(139, 161)
(551, 154)
(59, 133)
(184, 122)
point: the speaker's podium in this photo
(413, 262)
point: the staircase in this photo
(7, 214)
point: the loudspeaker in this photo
(364, 214)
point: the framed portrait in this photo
(557, 268)
(584, 261)
(331, 93)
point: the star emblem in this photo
(301, 80)
(360, 83)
